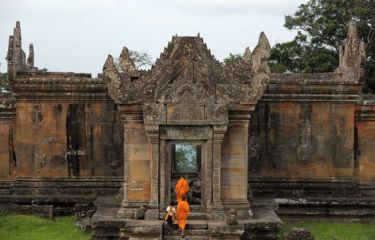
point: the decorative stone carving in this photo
(217, 114)
(232, 217)
(154, 114)
(352, 55)
(16, 57)
(113, 80)
(30, 59)
(187, 72)
(126, 62)
(247, 55)
(186, 114)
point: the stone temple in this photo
(253, 145)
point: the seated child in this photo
(170, 215)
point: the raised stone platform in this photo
(263, 225)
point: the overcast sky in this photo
(77, 35)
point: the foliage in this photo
(323, 230)
(186, 158)
(321, 27)
(140, 59)
(233, 59)
(292, 57)
(20, 227)
(4, 82)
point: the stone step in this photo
(197, 216)
(196, 224)
(186, 238)
(192, 225)
(196, 232)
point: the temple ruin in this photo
(253, 145)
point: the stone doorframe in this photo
(210, 138)
(206, 124)
(156, 124)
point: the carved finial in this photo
(109, 63)
(30, 59)
(126, 62)
(199, 35)
(260, 55)
(113, 79)
(247, 55)
(17, 34)
(352, 54)
(16, 56)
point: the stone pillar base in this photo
(220, 230)
(126, 213)
(152, 214)
(216, 212)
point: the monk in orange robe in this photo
(182, 188)
(183, 211)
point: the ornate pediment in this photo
(187, 73)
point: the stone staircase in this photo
(196, 226)
(195, 230)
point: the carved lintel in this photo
(185, 114)
(186, 132)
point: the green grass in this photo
(21, 227)
(322, 230)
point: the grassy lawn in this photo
(334, 231)
(21, 227)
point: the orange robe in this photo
(183, 211)
(182, 187)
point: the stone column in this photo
(162, 167)
(208, 174)
(218, 136)
(153, 207)
(129, 115)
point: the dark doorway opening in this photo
(186, 162)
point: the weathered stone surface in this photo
(352, 54)
(187, 71)
(66, 138)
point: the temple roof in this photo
(186, 69)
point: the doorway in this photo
(186, 161)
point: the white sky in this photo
(77, 35)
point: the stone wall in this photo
(365, 139)
(7, 123)
(65, 126)
(302, 136)
(304, 140)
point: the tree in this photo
(140, 59)
(321, 27)
(4, 82)
(186, 158)
(233, 59)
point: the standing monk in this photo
(182, 188)
(183, 211)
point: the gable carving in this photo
(187, 73)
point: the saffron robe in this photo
(182, 187)
(183, 211)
